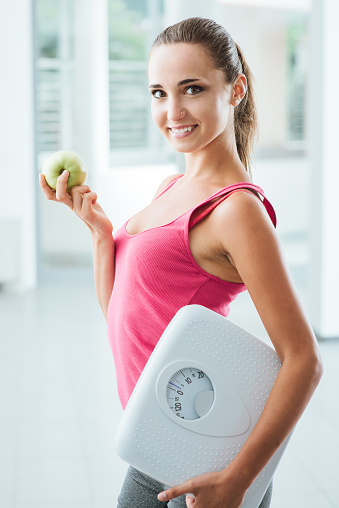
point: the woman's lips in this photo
(182, 131)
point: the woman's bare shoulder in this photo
(166, 182)
(240, 220)
(242, 206)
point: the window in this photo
(54, 75)
(133, 137)
(296, 41)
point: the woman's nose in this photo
(175, 111)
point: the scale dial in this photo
(190, 393)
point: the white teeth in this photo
(181, 131)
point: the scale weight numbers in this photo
(190, 394)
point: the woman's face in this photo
(191, 101)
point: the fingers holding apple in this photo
(62, 180)
(49, 193)
(60, 194)
(63, 160)
(61, 172)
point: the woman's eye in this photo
(158, 94)
(193, 90)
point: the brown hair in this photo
(228, 57)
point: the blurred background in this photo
(74, 77)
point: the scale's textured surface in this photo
(254, 364)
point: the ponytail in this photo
(245, 117)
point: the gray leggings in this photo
(140, 491)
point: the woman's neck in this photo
(216, 164)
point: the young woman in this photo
(208, 235)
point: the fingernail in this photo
(162, 496)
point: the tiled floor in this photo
(59, 407)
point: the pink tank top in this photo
(156, 275)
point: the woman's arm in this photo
(104, 271)
(83, 202)
(256, 253)
(254, 249)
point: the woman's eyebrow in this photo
(180, 83)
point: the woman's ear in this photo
(239, 89)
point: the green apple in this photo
(58, 162)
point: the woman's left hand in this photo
(212, 490)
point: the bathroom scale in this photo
(197, 400)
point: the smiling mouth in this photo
(182, 130)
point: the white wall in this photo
(17, 166)
(323, 113)
(261, 36)
(286, 183)
(176, 10)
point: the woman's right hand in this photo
(82, 201)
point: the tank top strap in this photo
(214, 200)
(169, 185)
